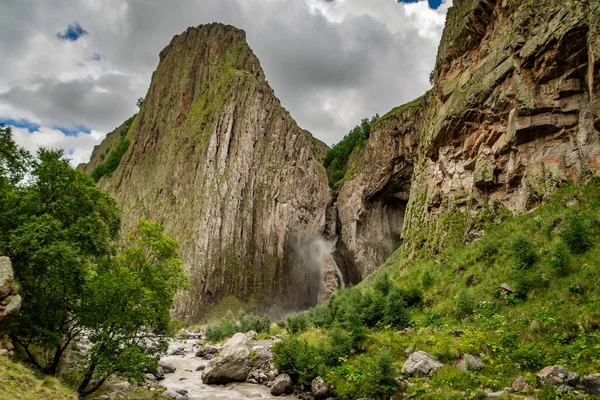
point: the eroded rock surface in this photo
(215, 157)
(10, 301)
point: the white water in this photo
(186, 377)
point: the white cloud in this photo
(78, 148)
(330, 63)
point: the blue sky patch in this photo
(432, 3)
(74, 131)
(72, 33)
(20, 123)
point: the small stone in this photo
(319, 388)
(255, 395)
(506, 289)
(150, 377)
(519, 384)
(572, 378)
(458, 333)
(553, 375)
(495, 395)
(421, 363)
(408, 351)
(470, 362)
(282, 385)
(591, 383)
(201, 368)
(207, 357)
(167, 367)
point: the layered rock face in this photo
(371, 205)
(513, 115)
(222, 165)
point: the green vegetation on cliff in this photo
(524, 296)
(336, 159)
(114, 154)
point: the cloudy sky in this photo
(72, 70)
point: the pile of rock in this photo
(567, 381)
(10, 302)
(241, 359)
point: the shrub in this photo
(338, 346)
(413, 297)
(113, 161)
(251, 322)
(529, 357)
(524, 282)
(296, 358)
(297, 323)
(373, 313)
(559, 258)
(464, 305)
(489, 249)
(225, 328)
(523, 254)
(377, 377)
(382, 283)
(320, 316)
(396, 314)
(576, 233)
(427, 279)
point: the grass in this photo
(554, 318)
(19, 382)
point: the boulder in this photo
(319, 388)
(167, 367)
(421, 363)
(554, 375)
(233, 363)
(591, 383)
(282, 385)
(519, 384)
(205, 349)
(179, 351)
(470, 363)
(10, 301)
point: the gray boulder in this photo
(282, 385)
(421, 363)
(554, 375)
(591, 383)
(233, 363)
(205, 349)
(319, 388)
(470, 363)
(10, 301)
(167, 367)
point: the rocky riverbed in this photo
(187, 377)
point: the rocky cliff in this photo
(513, 115)
(214, 156)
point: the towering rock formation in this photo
(222, 165)
(513, 115)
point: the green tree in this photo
(59, 225)
(14, 160)
(127, 304)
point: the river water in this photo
(186, 377)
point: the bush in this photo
(251, 322)
(382, 283)
(427, 279)
(489, 249)
(377, 377)
(225, 328)
(560, 258)
(413, 297)
(338, 346)
(524, 282)
(320, 316)
(576, 233)
(297, 359)
(464, 305)
(523, 254)
(297, 323)
(113, 161)
(529, 357)
(396, 313)
(373, 312)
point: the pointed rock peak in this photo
(216, 45)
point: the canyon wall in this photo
(222, 165)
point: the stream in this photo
(187, 378)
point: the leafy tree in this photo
(14, 160)
(576, 233)
(140, 102)
(523, 254)
(59, 225)
(126, 306)
(337, 157)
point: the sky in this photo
(72, 70)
